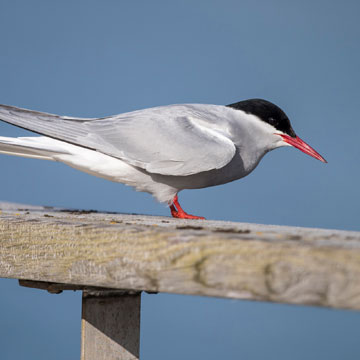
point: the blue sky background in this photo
(95, 58)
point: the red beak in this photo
(303, 146)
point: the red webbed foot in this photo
(178, 212)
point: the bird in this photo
(160, 150)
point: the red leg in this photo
(179, 213)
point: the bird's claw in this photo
(181, 214)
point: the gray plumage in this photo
(161, 150)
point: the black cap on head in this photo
(268, 112)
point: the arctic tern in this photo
(160, 150)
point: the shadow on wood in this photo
(110, 326)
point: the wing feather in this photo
(171, 140)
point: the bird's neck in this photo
(254, 139)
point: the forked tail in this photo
(38, 147)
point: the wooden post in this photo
(110, 326)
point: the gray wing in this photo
(57, 127)
(169, 140)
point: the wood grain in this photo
(110, 327)
(212, 258)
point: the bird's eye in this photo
(272, 121)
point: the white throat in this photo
(253, 137)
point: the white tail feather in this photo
(32, 147)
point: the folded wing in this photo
(167, 140)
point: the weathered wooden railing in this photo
(113, 257)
